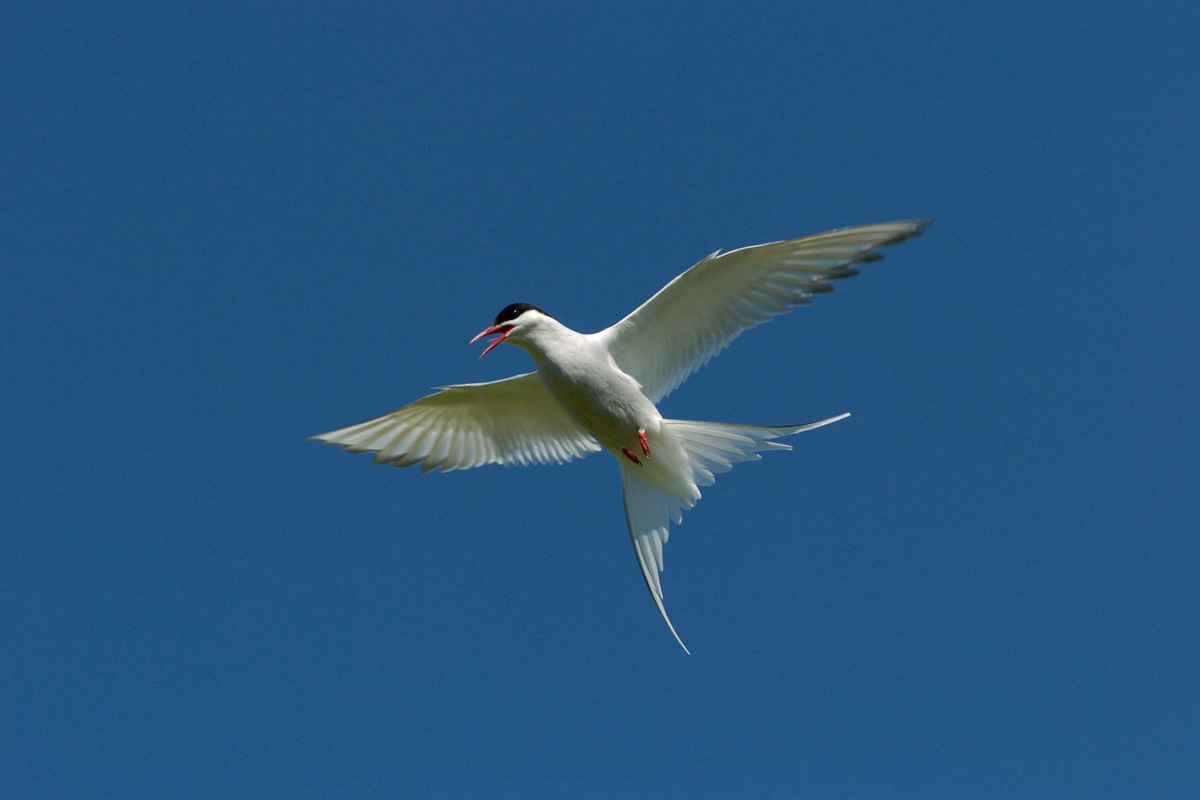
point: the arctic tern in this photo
(599, 391)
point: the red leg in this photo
(630, 456)
(642, 439)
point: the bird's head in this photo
(512, 324)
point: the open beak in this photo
(500, 329)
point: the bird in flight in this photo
(600, 391)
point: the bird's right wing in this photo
(700, 312)
(511, 421)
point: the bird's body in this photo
(600, 390)
(582, 377)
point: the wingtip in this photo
(918, 227)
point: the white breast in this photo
(607, 403)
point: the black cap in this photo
(515, 310)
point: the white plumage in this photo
(599, 391)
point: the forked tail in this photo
(711, 447)
(714, 447)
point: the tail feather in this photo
(648, 512)
(714, 447)
(711, 447)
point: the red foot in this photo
(630, 456)
(642, 439)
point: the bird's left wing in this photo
(511, 421)
(698, 314)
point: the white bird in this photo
(600, 390)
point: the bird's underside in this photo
(599, 391)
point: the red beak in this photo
(500, 329)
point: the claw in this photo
(642, 439)
(631, 456)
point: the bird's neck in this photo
(551, 341)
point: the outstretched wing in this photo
(702, 311)
(511, 421)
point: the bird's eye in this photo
(513, 311)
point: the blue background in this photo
(226, 227)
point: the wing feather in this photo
(702, 311)
(511, 421)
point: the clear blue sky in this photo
(226, 227)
